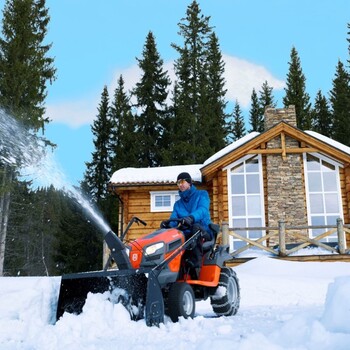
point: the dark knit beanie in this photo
(184, 176)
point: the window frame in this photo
(173, 199)
(246, 217)
(311, 215)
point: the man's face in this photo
(183, 185)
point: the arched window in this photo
(323, 193)
(246, 198)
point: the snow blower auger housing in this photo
(154, 279)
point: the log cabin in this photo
(282, 174)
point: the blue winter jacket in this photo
(195, 203)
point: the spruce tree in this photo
(215, 128)
(296, 92)
(98, 171)
(151, 94)
(183, 122)
(266, 99)
(322, 120)
(25, 68)
(123, 135)
(33, 231)
(238, 128)
(191, 70)
(348, 40)
(79, 243)
(256, 118)
(340, 105)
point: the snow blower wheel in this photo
(225, 301)
(181, 301)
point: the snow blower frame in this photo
(153, 278)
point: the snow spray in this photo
(30, 155)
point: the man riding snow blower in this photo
(155, 272)
(193, 209)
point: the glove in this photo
(206, 236)
(164, 224)
(187, 221)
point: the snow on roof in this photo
(231, 147)
(329, 141)
(166, 174)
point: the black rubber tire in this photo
(225, 302)
(181, 301)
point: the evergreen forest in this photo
(158, 123)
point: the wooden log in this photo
(225, 233)
(282, 237)
(341, 236)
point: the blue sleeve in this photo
(174, 215)
(202, 209)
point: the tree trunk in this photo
(5, 197)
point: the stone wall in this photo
(285, 180)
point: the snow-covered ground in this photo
(284, 305)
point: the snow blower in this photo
(153, 277)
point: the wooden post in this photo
(341, 236)
(282, 237)
(225, 234)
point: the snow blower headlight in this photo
(154, 247)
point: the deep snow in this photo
(284, 305)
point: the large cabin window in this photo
(323, 193)
(163, 201)
(246, 198)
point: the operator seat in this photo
(209, 245)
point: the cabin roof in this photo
(253, 140)
(156, 175)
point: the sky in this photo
(95, 41)
(284, 305)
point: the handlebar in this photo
(133, 219)
(166, 223)
(140, 221)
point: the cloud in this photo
(73, 113)
(241, 77)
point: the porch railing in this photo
(280, 231)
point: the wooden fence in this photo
(280, 232)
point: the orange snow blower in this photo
(153, 278)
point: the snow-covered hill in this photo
(284, 305)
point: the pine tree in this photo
(123, 135)
(25, 69)
(238, 128)
(18, 257)
(215, 105)
(322, 121)
(98, 171)
(24, 65)
(340, 105)
(151, 94)
(256, 118)
(183, 122)
(33, 231)
(296, 92)
(191, 70)
(266, 98)
(348, 40)
(78, 247)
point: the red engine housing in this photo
(151, 249)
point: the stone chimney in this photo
(275, 115)
(284, 174)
